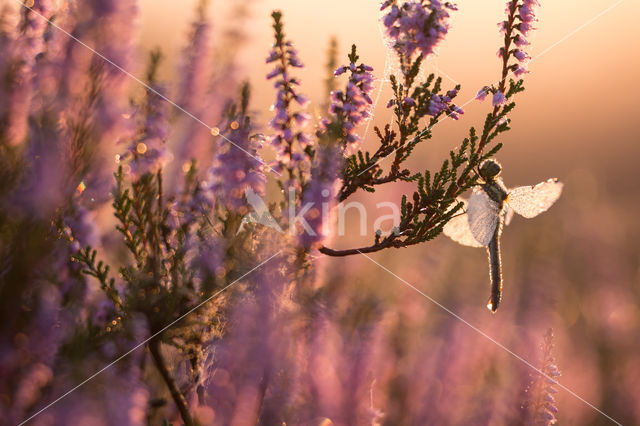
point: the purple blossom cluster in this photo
(520, 22)
(18, 60)
(193, 93)
(148, 152)
(118, 396)
(253, 352)
(416, 25)
(109, 28)
(237, 168)
(82, 93)
(286, 124)
(444, 103)
(353, 105)
(436, 104)
(498, 98)
(26, 357)
(516, 28)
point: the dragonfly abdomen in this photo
(495, 270)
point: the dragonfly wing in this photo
(484, 214)
(530, 201)
(458, 228)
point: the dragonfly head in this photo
(490, 169)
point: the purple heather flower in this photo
(301, 118)
(498, 99)
(520, 55)
(443, 103)
(524, 28)
(482, 93)
(273, 56)
(520, 70)
(520, 41)
(455, 112)
(294, 61)
(526, 11)
(353, 105)
(436, 105)
(276, 71)
(416, 25)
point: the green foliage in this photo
(87, 257)
(278, 27)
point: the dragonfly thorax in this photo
(496, 190)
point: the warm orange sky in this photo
(580, 98)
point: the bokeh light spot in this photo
(141, 148)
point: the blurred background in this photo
(576, 268)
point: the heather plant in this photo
(414, 30)
(181, 307)
(541, 407)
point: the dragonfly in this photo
(491, 207)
